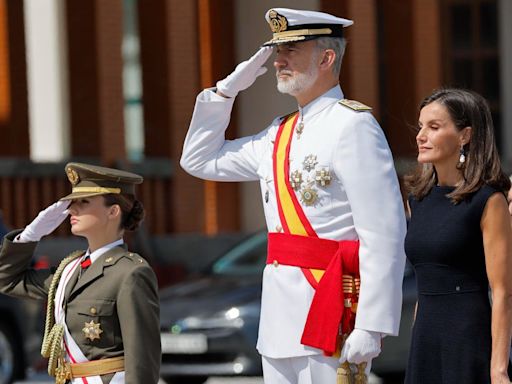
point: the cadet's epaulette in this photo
(355, 105)
(285, 116)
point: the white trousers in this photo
(314, 369)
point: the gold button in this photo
(275, 263)
(93, 310)
(130, 254)
(108, 259)
(141, 261)
(279, 228)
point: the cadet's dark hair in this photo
(132, 210)
(482, 165)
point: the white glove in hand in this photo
(361, 346)
(45, 222)
(245, 73)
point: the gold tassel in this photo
(360, 377)
(344, 374)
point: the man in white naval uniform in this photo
(337, 184)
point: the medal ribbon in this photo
(293, 219)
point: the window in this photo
(132, 84)
(471, 50)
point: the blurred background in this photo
(114, 83)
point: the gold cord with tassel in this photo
(51, 347)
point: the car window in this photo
(247, 258)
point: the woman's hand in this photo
(45, 222)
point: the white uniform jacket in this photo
(362, 201)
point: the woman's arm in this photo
(497, 237)
(139, 317)
(16, 276)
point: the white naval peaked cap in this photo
(290, 25)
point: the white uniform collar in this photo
(332, 96)
(100, 251)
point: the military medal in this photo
(296, 179)
(323, 177)
(299, 129)
(309, 162)
(92, 330)
(308, 196)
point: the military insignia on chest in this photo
(308, 196)
(309, 163)
(305, 181)
(323, 177)
(92, 330)
(296, 180)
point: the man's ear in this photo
(328, 58)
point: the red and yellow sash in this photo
(293, 219)
(323, 262)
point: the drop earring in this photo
(462, 157)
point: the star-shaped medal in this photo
(92, 330)
(309, 162)
(309, 196)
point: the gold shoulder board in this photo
(355, 105)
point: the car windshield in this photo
(247, 258)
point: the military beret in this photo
(92, 180)
(289, 25)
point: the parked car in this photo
(209, 323)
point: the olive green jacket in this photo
(118, 290)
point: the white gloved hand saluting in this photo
(245, 73)
(45, 222)
(361, 346)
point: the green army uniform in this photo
(117, 294)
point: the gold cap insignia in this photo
(92, 330)
(277, 22)
(72, 176)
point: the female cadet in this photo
(102, 322)
(459, 241)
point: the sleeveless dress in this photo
(451, 338)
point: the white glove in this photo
(361, 346)
(45, 222)
(245, 73)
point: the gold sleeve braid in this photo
(53, 333)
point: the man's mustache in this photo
(284, 72)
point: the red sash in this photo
(321, 260)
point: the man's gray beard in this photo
(300, 82)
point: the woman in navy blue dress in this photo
(459, 241)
